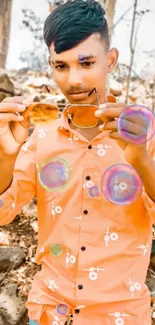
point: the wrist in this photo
(140, 160)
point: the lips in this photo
(79, 95)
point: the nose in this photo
(74, 77)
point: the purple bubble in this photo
(54, 174)
(62, 309)
(145, 129)
(81, 58)
(1, 203)
(93, 191)
(121, 184)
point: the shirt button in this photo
(89, 146)
(77, 311)
(80, 286)
(83, 248)
(87, 178)
(85, 211)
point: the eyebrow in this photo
(87, 57)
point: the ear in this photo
(112, 59)
(49, 61)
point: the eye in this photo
(60, 67)
(88, 64)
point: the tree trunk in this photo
(5, 14)
(109, 6)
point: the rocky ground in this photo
(18, 240)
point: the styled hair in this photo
(73, 22)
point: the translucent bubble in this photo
(121, 184)
(136, 124)
(81, 58)
(54, 174)
(62, 309)
(56, 249)
(93, 191)
(1, 203)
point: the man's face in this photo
(75, 77)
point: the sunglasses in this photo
(83, 115)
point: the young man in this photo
(94, 253)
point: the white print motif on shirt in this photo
(119, 318)
(80, 217)
(73, 137)
(88, 184)
(13, 205)
(56, 320)
(93, 272)
(52, 285)
(134, 286)
(144, 248)
(110, 236)
(35, 301)
(25, 147)
(42, 249)
(56, 210)
(70, 259)
(41, 133)
(102, 149)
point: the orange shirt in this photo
(94, 254)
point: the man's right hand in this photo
(12, 133)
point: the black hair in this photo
(73, 22)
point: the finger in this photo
(112, 112)
(110, 126)
(19, 99)
(11, 107)
(7, 117)
(29, 109)
(132, 128)
(115, 135)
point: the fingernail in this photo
(28, 101)
(98, 112)
(101, 127)
(21, 107)
(102, 106)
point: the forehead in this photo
(93, 45)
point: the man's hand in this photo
(109, 114)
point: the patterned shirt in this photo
(94, 253)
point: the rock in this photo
(12, 309)
(11, 257)
(4, 238)
(39, 82)
(115, 87)
(34, 225)
(6, 85)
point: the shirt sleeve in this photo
(148, 202)
(22, 187)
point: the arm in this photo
(7, 167)
(18, 185)
(146, 170)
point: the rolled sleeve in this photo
(22, 188)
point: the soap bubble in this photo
(121, 184)
(136, 124)
(54, 174)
